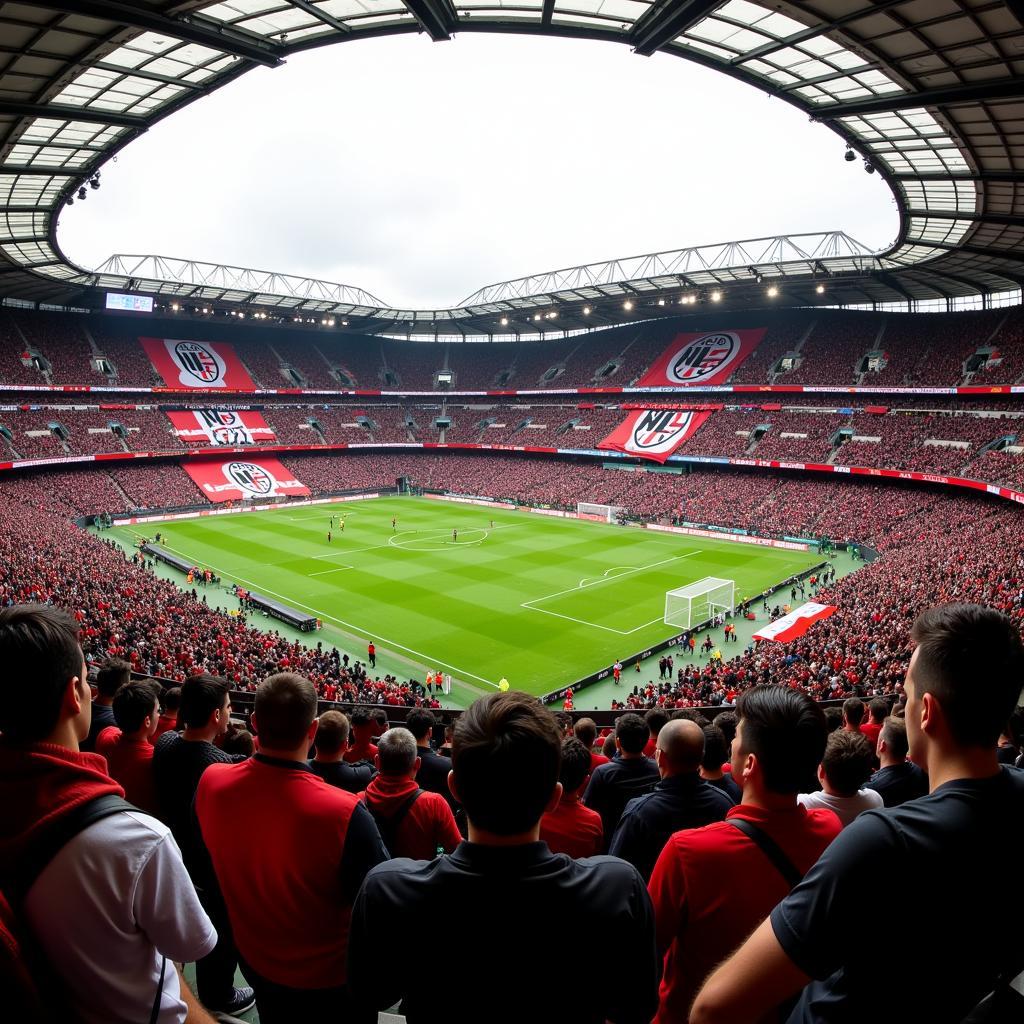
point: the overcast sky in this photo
(421, 171)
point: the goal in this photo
(591, 510)
(697, 603)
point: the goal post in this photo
(697, 603)
(593, 510)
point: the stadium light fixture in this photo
(553, 314)
(344, 323)
(716, 296)
(850, 156)
(586, 311)
(627, 305)
(205, 310)
(661, 302)
(869, 167)
(820, 289)
(773, 290)
(175, 307)
(82, 193)
(504, 321)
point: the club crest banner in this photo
(221, 427)
(654, 433)
(708, 358)
(244, 479)
(197, 364)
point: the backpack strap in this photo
(388, 825)
(770, 849)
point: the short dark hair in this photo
(894, 736)
(726, 721)
(133, 703)
(397, 751)
(847, 761)
(785, 730)
(585, 730)
(971, 660)
(112, 675)
(853, 710)
(716, 752)
(238, 740)
(284, 709)
(360, 718)
(833, 718)
(656, 719)
(879, 708)
(380, 719)
(632, 733)
(420, 722)
(39, 653)
(506, 755)
(575, 764)
(171, 698)
(201, 695)
(332, 732)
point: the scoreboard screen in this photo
(131, 303)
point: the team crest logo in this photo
(224, 427)
(659, 430)
(702, 358)
(250, 478)
(198, 361)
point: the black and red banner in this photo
(653, 433)
(244, 479)
(188, 365)
(709, 358)
(221, 426)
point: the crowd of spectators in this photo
(834, 351)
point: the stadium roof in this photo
(930, 93)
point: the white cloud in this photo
(423, 171)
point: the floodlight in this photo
(869, 167)
(850, 155)
(82, 193)
(536, 316)
(586, 311)
(627, 304)
(772, 291)
(820, 289)
(504, 321)
(716, 296)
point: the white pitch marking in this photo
(324, 572)
(595, 625)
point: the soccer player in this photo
(455, 536)
(394, 523)
(328, 536)
(341, 523)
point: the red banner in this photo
(192, 365)
(221, 426)
(796, 623)
(708, 358)
(653, 433)
(244, 480)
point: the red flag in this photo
(796, 623)
(221, 426)
(244, 479)
(197, 364)
(708, 358)
(653, 433)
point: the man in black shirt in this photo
(954, 855)
(508, 898)
(630, 774)
(682, 799)
(330, 764)
(898, 780)
(179, 760)
(434, 768)
(113, 672)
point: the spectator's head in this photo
(506, 754)
(878, 708)
(631, 734)
(420, 722)
(112, 675)
(575, 768)
(332, 735)
(397, 754)
(284, 714)
(171, 701)
(680, 748)
(892, 741)
(136, 708)
(726, 721)
(205, 705)
(380, 722)
(853, 712)
(44, 687)
(964, 679)
(716, 753)
(847, 763)
(585, 730)
(608, 747)
(656, 719)
(833, 718)
(238, 740)
(363, 726)
(780, 737)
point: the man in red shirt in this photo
(412, 822)
(362, 747)
(127, 746)
(572, 828)
(168, 720)
(585, 730)
(712, 886)
(878, 708)
(290, 853)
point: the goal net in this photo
(697, 603)
(591, 510)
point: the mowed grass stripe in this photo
(460, 605)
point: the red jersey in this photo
(131, 764)
(361, 751)
(427, 825)
(573, 829)
(871, 731)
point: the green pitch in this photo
(538, 600)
